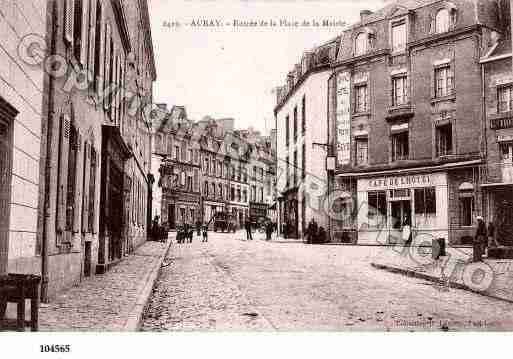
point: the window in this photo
(444, 81)
(295, 124)
(189, 183)
(505, 98)
(295, 168)
(170, 145)
(399, 36)
(254, 173)
(303, 115)
(361, 98)
(196, 156)
(261, 174)
(77, 29)
(361, 44)
(303, 164)
(92, 188)
(425, 201)
(261, 194)
(220, 189)
(399, 90)
(97, 37)
(190, 156)
(377, 208)
(444, 140)
(238, 195)
(245, 195)
(400, 148)
(287, 130)
(466, 209)
(71, 182)
(442, 21)
(232, 194)
(361, 151)
(177, 153)
(196, 180)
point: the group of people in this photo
(314, 233)
(484, 239)
(268, 225)
(185, 233)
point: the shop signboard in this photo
(343, 118)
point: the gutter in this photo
(48, 164)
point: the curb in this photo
(430, 278)
(133, 322)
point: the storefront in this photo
(387, 204)
(210, 208)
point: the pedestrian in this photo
(205, 233)
(269, 230)
(249, 235)
(492, 241)
(198, 228)
(479, 240)
(406, 233)
(190, 233)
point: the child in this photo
(205, 234)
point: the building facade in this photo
(219, 171)
(95, 181)
(22, 117)
(301, 142)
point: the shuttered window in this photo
(71, 182)
(64, 140)
(97, 45)
(77, 30)
(92, 191)
(68, 20)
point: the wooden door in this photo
(5, 189)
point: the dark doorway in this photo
(503, 216)
(115, 223)
(5, 187)
(87, 259)
(171, 222)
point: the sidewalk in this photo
(113, 301)
(492, 278)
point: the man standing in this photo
(249, 236)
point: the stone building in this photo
(406, 105)
(177, 145)
(96, 150)
(22, 117)
(301, 122)
(498, 106)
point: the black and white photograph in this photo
(251, 166)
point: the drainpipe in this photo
(48, 165)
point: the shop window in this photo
(442, 21)
(400, 146)
(505, 98)
(377, 208)
(362, 145)
(444, 140)
(425, 201)
(444, 81)
(361, 44)
(399, 36)
(399, 90)
(360, 98)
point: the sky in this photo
(232, 71)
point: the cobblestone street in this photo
(232, 284)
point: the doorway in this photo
(5, 189)
(401, 213)
(503, 218)
(87, 259)
(171, 216)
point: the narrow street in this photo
(232, 284)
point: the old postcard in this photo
(249, 166)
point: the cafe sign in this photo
(407, 181)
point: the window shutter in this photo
(108, 69)
(92, 35)
(85, 187)
(85, 30)
(69, 15)
(78, 187)
(101, 71)
(65, 128)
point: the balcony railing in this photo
(501, 123)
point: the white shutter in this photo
(107, 70)
(85, 188)
(64, 134)
(69, 14)
(92, 35)
(78, 184)
(85, 31)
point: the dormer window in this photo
(442, 21)
(361, 44)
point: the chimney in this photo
(364, 14)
